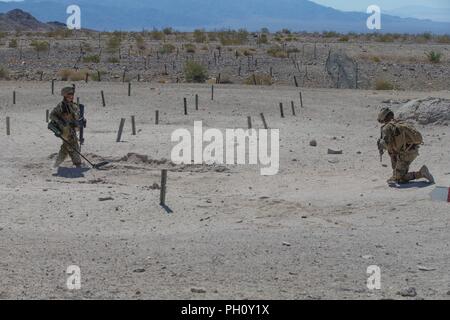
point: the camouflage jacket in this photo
(57, 114)
(392, 140)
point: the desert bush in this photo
(444, 39)
(233, 38)
(385, 38)
(168, 31)
(259, 80)
(140, 42)
(190, 48)
(60, 33)
(94, 75)
(293, 50)
(212, 36)
(344, 39)
(4, 73)
(330, 34)
(157, 35)
(433, 56)
(167, 49)
(95, 58)
(376, 59)
(113, 43)
(263, 39)
(13, 43)
(200, 36)
(195, 72)
(277, 52)
(383, 85)
(3, 34)
(286, 31)
(113, 60)
(72, 75)
(40, 46)
(265, 30)
(427, 35)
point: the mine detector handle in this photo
(81, 123)
(380, 145)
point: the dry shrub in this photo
(383, 85)
(259, 80)
(73, 75)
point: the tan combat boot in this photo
(426, 174)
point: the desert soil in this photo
(309, 232)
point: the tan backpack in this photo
(408, 134)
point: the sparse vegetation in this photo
(383, 85)
(95, 58)
(4, 74)
(434, 57)
(167, 49)
(113, 44)
(444, 39)
(157, 35)
(195, 72)
(233, 38)
(113, 60)
(40, 46)
(200, 36)
(263, 39)
(259, 80)
(13, 43)
(190, 48)
(277, 52)
(72, 75)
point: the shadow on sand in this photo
(411, 185)
(71, 173)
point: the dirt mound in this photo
(426, 111)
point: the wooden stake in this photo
(14, 97)
(129, 89)
(293, 108)
(157, 117)
(249, 121)
(185, 106)
(301, 100)
(47, 115)
(264, 121)
(103, 98)
(53, 86)
(162, 198)
(196, 102)
(87, 77)
(212, 92)
(295, 81)
(119, 133)
(8, 131)
(281, 110)
(133, 126)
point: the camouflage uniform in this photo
(401, 155)
(68, 131)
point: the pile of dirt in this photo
(426, 111)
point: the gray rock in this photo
(408, 292)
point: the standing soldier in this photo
(402, 141)
(66, 116)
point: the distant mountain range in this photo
(20, 20)
(421, 12)
(298, 15)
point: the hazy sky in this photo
(361, 5)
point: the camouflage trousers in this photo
(401, 163)
(68, 150)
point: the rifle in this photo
(53, 126)
(81, 124)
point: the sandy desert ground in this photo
(309, 232)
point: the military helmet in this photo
(67, 90)
(384, 113)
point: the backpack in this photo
(407, 134)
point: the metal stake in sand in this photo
(295, 81)
(185, 106)
(157, 117)
(119, 133)
(87, 77)
(212, 92)
(14, 97)
(8, 131)
(162, 198)
(196, 102)
(293, 108)
(301, 100)
(53, 86)
(129, 89)
(249, 121)
(264, 121)
(47, 115)
(281, 110)
(133, 126)
(103, 98)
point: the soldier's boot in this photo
(425, 173)
(60, 159)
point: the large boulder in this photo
(426, 111)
